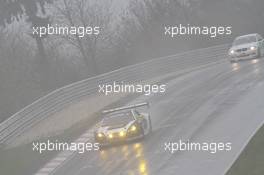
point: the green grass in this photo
(251, 161)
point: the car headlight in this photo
(100, 135)
(232, 52)
(110, 136)
(253, 48)
(133, 128)
(122, 133)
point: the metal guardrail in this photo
(58, 99)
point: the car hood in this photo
(114, 128)
(248, 45)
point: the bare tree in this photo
(86, 14)
(14, 10)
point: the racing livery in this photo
(246, 46)
(122, 124)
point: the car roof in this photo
(118, 114)
(248, 35)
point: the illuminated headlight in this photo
(253, 48)
(110, 136)
(133, 128)
(232, 52)
(122, 133)
(100, 135)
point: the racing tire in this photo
(150, 125)
(258, 54)
(142, 131)
(233, 61)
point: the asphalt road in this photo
(201, 106)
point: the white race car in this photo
(245, 47)
(122, 124)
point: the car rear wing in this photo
(125, 108)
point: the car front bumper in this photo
(244, 55)
(110, 141)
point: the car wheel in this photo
(233, 61)
(142, 130)
(150, 125)
(258, 54)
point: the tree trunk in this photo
(41, 50)
(43, 67)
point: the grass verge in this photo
(251, 160)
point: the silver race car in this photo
(122, 124)
(246, 46)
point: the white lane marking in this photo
(87, 135)
(46, 169)
(82, 139)
(66, 153)
(63, 156)
(52, 164)
(59, 159)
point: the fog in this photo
(131, 32)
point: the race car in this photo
(122, 125)
(246, 47)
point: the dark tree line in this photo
(11, 10)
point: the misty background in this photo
(132, 32)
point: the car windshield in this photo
(118, 119)
(244, 40)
